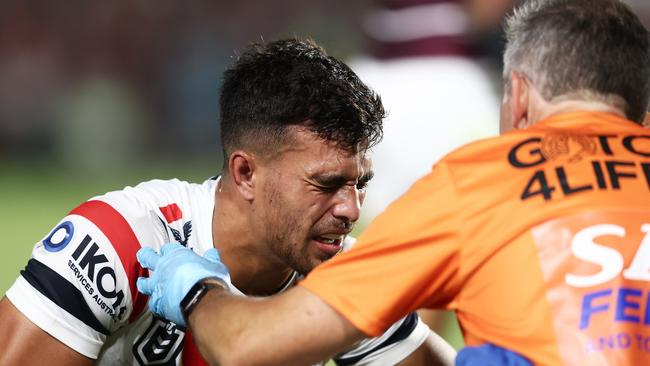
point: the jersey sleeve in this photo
(390, 348)
(408, 258)
(79, 285)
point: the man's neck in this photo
(253, 270)
(543, 109)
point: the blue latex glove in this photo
(489, 355)
(175, 271)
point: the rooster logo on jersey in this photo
(187, 231)
(173, 213)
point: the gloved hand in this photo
(175, 271)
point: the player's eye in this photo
(328, 189)
(363, 182)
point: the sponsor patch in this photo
(59, 238)
(97, 277)
(596, 271)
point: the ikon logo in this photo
(59, 238)
(91, 262)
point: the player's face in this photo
(312, 193)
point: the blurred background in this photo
(95, 96)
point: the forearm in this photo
(294, 328)
(215, 331)
(243, 331)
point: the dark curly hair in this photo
(293, 82)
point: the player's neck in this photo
(255, 278)
(253, 271)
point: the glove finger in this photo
(145, 285)
(212, 255)
(148, 258)
(170, 247)
(154, 303)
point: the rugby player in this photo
(539, 239)
(296, 126)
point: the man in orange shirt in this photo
(538, 239)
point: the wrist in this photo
(197, 293)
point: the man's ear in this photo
(520, 93)
(241, 167)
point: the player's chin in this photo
(315, 260)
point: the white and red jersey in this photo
(79, 285)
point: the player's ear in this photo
(241, 167)
(520, 93)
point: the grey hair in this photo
(585, 49)
(520, 43)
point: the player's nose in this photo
(348, 205)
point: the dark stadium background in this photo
(95, 96)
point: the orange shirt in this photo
(538, 239)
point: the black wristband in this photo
(196, 293)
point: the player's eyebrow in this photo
(330, 180)
(337, 180)
(367, 177)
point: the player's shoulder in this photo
(149, 210)
(79, 285)
(393, 346)
(159, 191)
(139, 200)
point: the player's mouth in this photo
(329, 243)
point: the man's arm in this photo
(75, 290)
(293, 328)
(23, 343)
(272, 331)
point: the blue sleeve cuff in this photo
(490, 355)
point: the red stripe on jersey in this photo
(172, 212)
(191, 355)
(126, 244)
